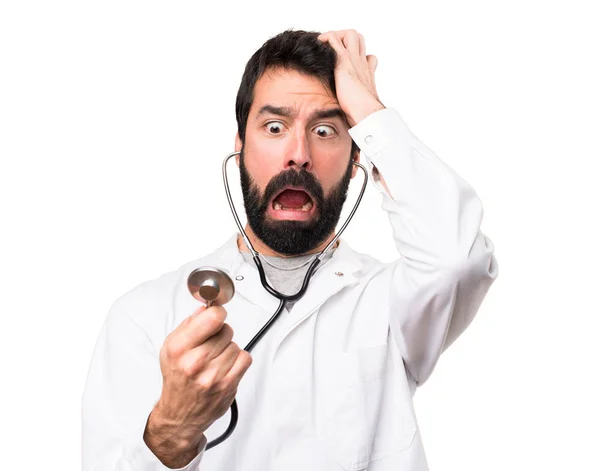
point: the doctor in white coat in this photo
(330, 386)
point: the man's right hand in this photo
(201, 370)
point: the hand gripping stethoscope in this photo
(213, 286)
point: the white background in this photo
(115, 117)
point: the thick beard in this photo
(293, 237)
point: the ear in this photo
(237, 147)
(355, 158)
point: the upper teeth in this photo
(305, 207)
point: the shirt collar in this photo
(342, 269)
(343, 255)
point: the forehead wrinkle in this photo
(287, 111)
(268, 86)
(292, 112)
(309, 93)
(327, 113)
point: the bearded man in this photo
(331, 385)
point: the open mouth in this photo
(292, 203)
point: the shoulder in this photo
(364, 265)
(156, 303)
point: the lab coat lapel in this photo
(336, 274)
(247, 284)
(245, 276)
(246, 279)
(331, 278)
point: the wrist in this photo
(170, 442)
(365, 110)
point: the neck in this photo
(264, 249)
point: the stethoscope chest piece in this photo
(211, 286)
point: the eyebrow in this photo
(289, 112)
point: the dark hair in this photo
(293, 50)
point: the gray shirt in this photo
(288, 273)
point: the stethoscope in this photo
(213, 286)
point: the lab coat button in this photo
(368, 139)
(239, 278)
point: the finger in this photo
(364, 65)
(176, 333)
(361, 45)
(372, 63)
(323, 37)
(351, 45)
(239, 368)
(216, 344)
(225, 361)
(197, 312)
(219, 342)
(199, 359)
(202, 325)
(336, 43)
(362, 49)
(351, 41)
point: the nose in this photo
(298, 153)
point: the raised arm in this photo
(447, 264)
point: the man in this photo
(331, 384)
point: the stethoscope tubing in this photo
(263, 279)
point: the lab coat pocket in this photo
(353, 394)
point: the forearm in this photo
(447, 264)
(435, 214)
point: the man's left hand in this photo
(354, 75)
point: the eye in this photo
(274, 127)
(324, 130)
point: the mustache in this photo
(296, 178)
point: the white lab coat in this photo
(331, 384)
